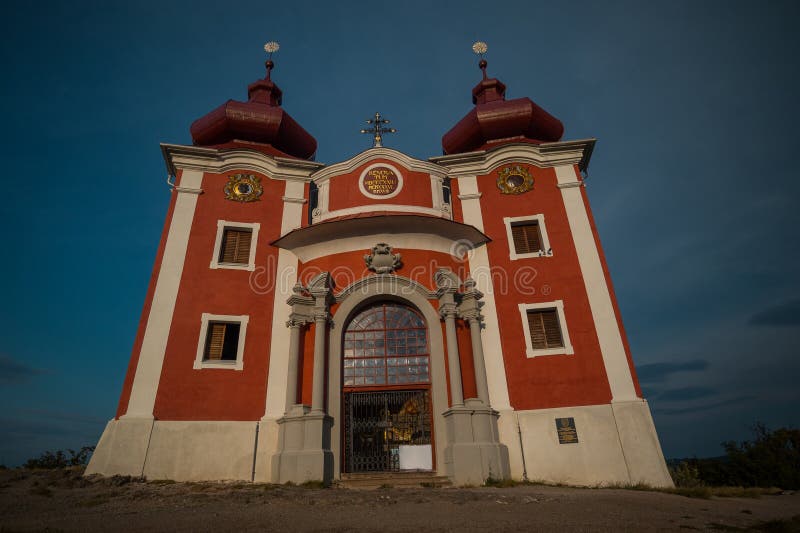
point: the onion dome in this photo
(497, 120)
(259, 120)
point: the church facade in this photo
(382, 314)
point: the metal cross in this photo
(377, 129)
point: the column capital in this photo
(448, 310)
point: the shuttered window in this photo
(527, 237)
(222, 341)
(545, 329)
(235, 246)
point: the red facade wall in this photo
(545, 381)
(344, 190)
(185, 393)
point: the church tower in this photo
(383, 314)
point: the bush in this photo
(771, 459)
(685, 474)
(59, 459)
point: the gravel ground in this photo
(65, 501)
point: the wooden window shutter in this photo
(545, 329)
(215, 341)
(236, 246)
(526, 237)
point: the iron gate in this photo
(376, 424)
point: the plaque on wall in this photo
(567, 434)
(380, 181)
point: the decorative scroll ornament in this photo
(382, 260)
(243, 188)
(514, 179)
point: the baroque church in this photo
(383, 315)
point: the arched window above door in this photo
(386, 344)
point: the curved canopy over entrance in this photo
(386, 393)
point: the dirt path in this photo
(64, 501)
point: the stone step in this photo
(379, 480)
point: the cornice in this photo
(344, 167)
(216, 160)
(542, 155)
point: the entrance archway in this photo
(386, 401)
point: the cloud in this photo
(13, 372)
(658, 372)
(700, 408)
(685, 393)
(784, 314)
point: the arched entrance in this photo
(386, 396)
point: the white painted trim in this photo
(285, 277)
(539, 219)
(436, 191)
(159, 321)
(294, 200)
(220, 161)
(222, 225)
(558, 305)
(605, 320)
(190, 190)
(368, 194)
(481, 272)
(399, 241)
(205, 320)
(541, 155)
(399, 158)
(473, 196)
(372, 208)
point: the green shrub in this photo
(60, 459)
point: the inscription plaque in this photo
(380, 181)
(567, 434)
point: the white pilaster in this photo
(154, 343)
(285, 279)
(608, 332)
(480, 270)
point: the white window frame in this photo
(205, 320)
(222, 225)
(539, 219)
(558, 305)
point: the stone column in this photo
(470, 311)
(318, 383)
(295, 325)
(322, 290)
(447, 284)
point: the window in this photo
(386, 344)
(221, 343)
(545, 329)
(235, 246)
(527, 237)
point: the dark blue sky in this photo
(693, 180)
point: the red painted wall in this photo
(221, 394)
(546, 381)
(344, 190)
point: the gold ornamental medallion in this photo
(514, 179)
(243, 188)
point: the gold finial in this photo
(377, 129)
(480, 48)
(270, 48)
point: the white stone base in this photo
(617, 444)
(177, 450)
(474, 453)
